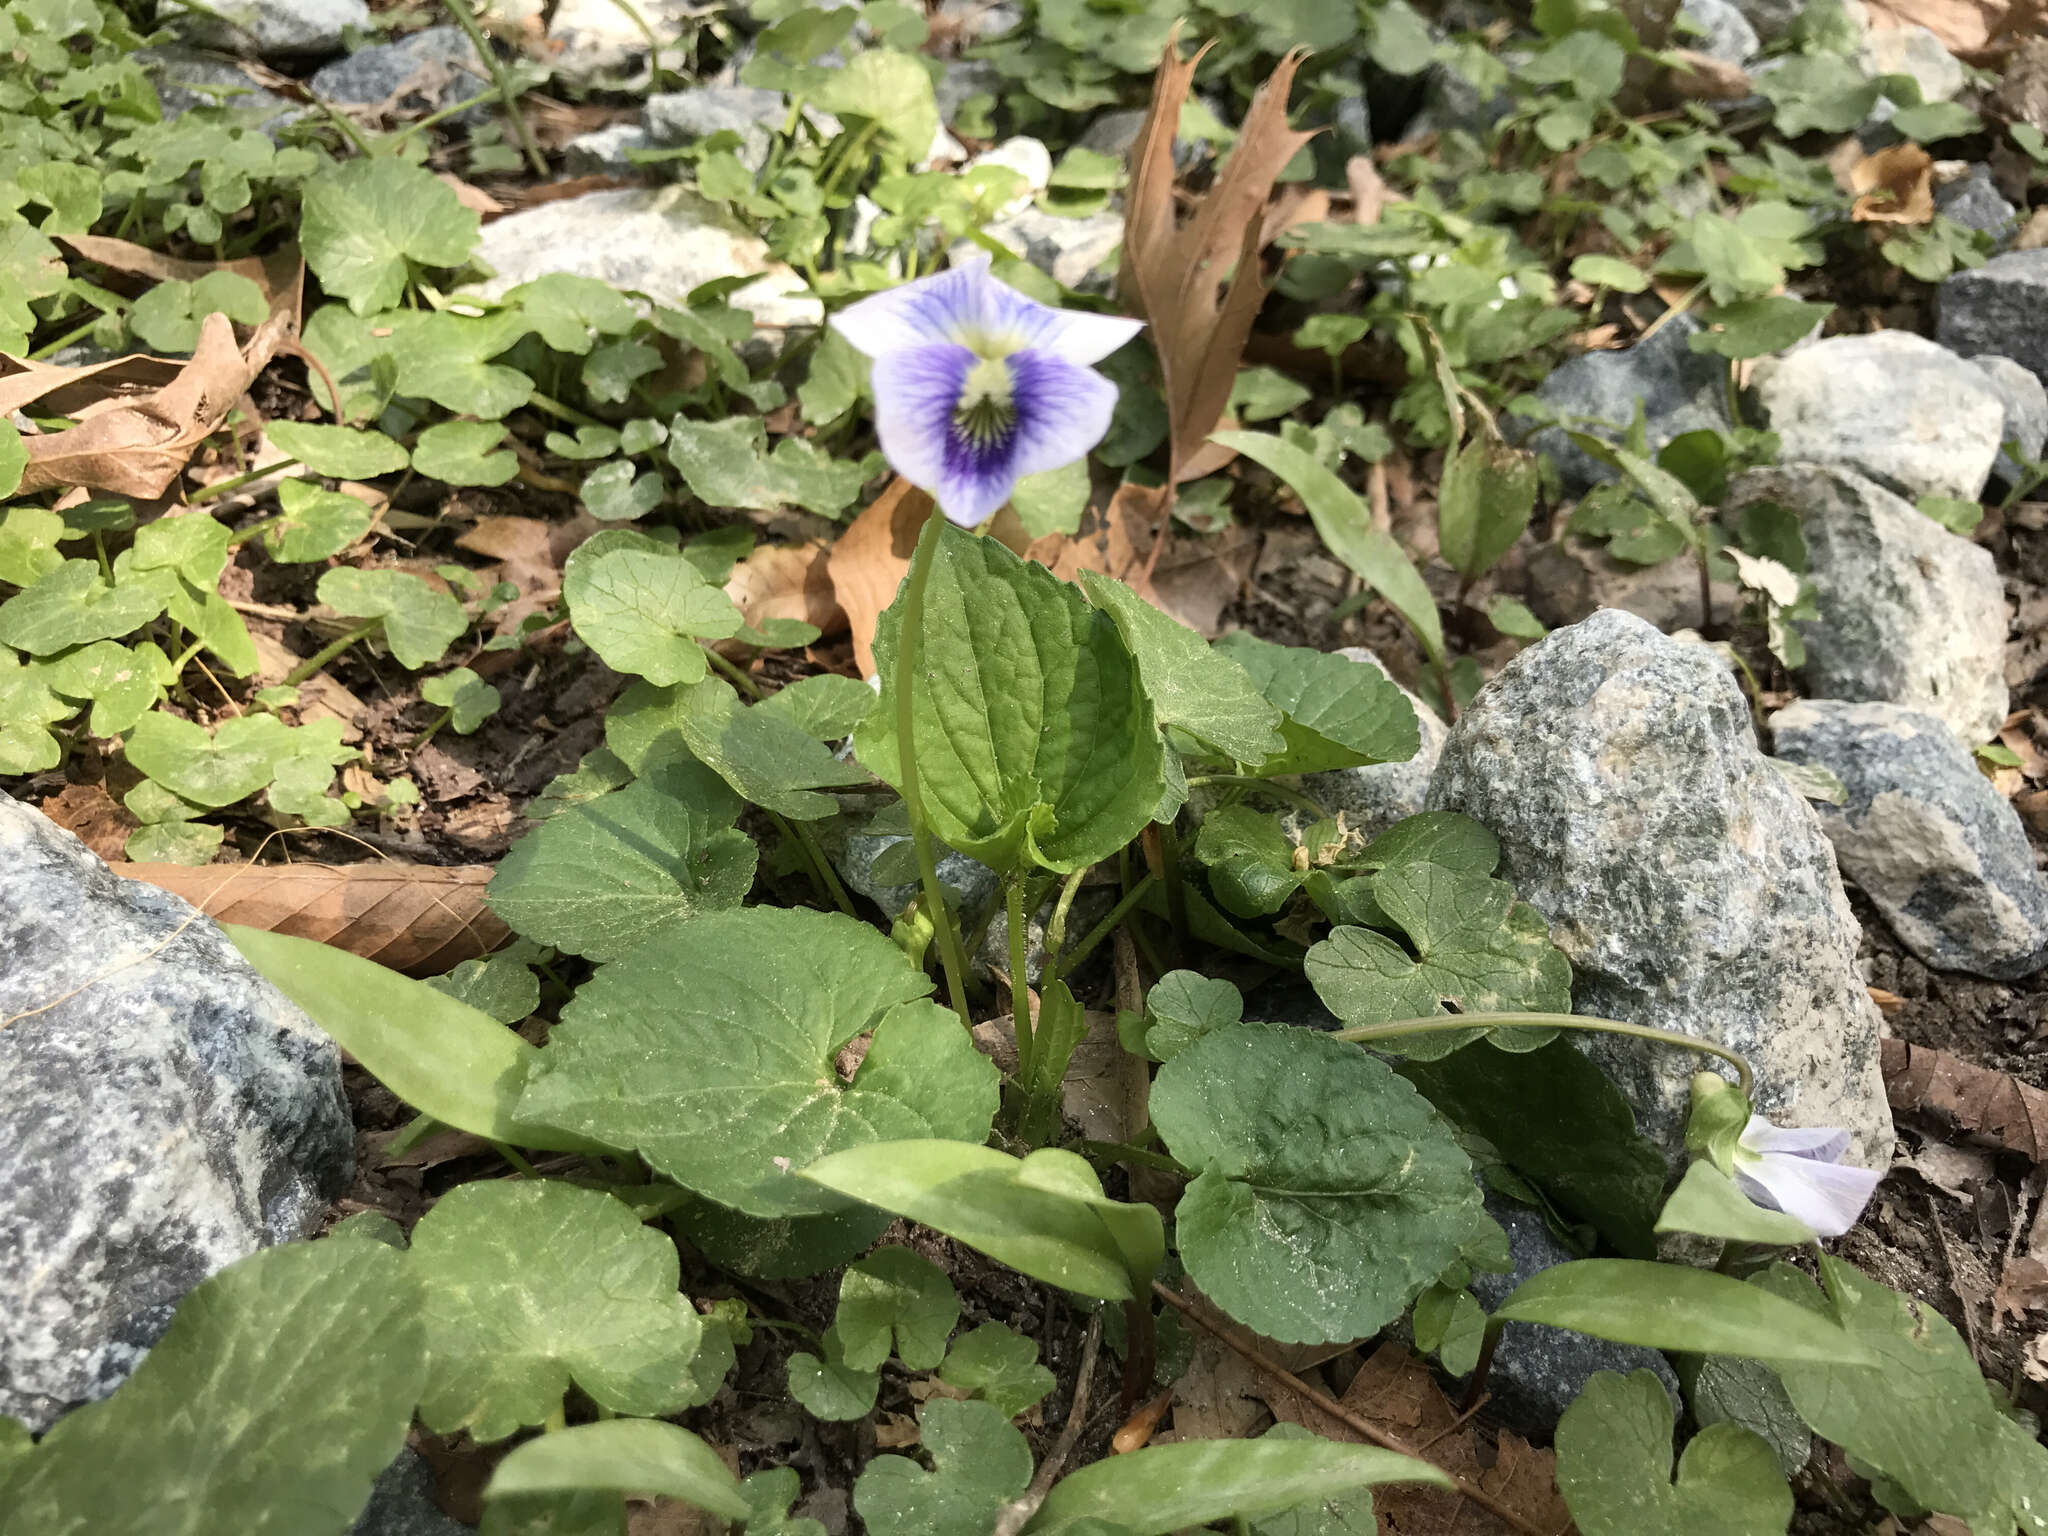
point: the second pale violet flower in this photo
(1801, 1173)
(977, 386)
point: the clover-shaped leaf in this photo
(29, 535)
(124, 684)
(1476, 946)
(614, 495)
(571, 311)
(999, 1366)
(313, 524)
(1328, 1192)
(347, 453)
(168, 316)
(599, 877)
(469, 700)
(1339, 714)
(980, 1462)
(460, 453)
(769, 1494)
(727, 464)
(237, 758)
(75, 605)
(895, 1295)
(643, 607)
(30, 268)
(420, 621)
(828, 1387)
(508, 1273)
(761, 753)
(1614, 1467)
(711, 1054)
(363, 223)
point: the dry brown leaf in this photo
(530, 554)
(2022, 95)
(1176, 274)
(1370, 193)
(474, 198)
(67, 391)
(869, 560)
(1888, 1003)
(1219, 1397)
(280, 274)
(1702, 77)
(320, 696)
(417, 918)
(1113, 540)
(787, 581)
(1989, 1105)
(2023, 1288)
(93, 816)
(1964, 26)
(1893, 186)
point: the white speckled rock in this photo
(166, 1111)
(1915, 51)
(2026, 413)
(1689, 884)
(594, 37)
(676, 118)
(274, 29)
(1924, 835)
(1893, 406)
(1374, 798)
(1080, 253)
(1029, 158)
(421, 73)
(1679, 390)
(1909, 612)
(660, 241)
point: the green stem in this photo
(816, 852)
(243, 535)
(567, 413)
(1176, 891)
(1277, 791)
(327, 653)
(511, 1155)
(1365, 1033)
(508, 92)
(63, 341)
(235, 483)
(908, 636)
(1101, 930)
(653, 44)
(347, 126)
(856, 150)
(1056, 934)
(1124, 1152)
(430, 732)
(1020, 993)
(442, 116)
(735, 672)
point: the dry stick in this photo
(1018, 1511)
(1336, 1410)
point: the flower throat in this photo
(986, 410)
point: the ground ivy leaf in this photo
(711, 1054)
(28, 535)
(168, 316)
(1476, 946)
(314, 523)
(825, 706)
(30, 268)
(769, 1495)
(27, 705)
(1921, 1413)
(1250, 860)
(460, 453)
(980, 1462)
(603, 875)
(1614, 1468)
(1726, 1389)
(420, 621)
(613, 495)
(1339, 714)
(362, 222)
(1191, 684)
(284, 1386)
(1053, 501)
(1034, 736)
(346, 453)
(571, 312)
(891, 89)
(1182, 1007)
(763, 755)
(830, 1388)
(998, 1365)
(124, 684)
(900, 1298)
(469, 700)
(832, 386)
(622, 1456)
(193, 545)
(216, 768)
(1432, 837)
(74, 605)
(509, 1271)
(1328, 1194)
(502, 985)
(643, 608)
(727, 464)
(1757, 327)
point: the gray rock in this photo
(1915, 51)
(422, 73)
(1973, 202)
(1688, 883)
(1728, 36)
(969, 884)
(166, 1112)
(965, 78)
(185, 79)
(675, 118)
(272, 29)
(1909, 612)
(603, 153)
(1572, 579)
(402, 1503)
(1538, 1371)
(660, 241)
(1924, 835)
(1680, 391)
(596, 37)
(1771, 19)
(1374, 798)
(1079, 253)
(1029, 158)
(2026, 413)
(1999, 307)
(1896, 407)
(1113, 133)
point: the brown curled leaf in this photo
(1989, 1106)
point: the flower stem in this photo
(1103, 929)
(1020, 992)
(1366, 1033)
(222, 487)
(1056, 932)
(908, 636)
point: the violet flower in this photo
(977, 386)
(1801, 1173)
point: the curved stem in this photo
(1441, 1025)
(1257, 785)
(1102, 930)
(325, 654)
(1056, 932)
(907, 636)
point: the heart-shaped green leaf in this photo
(346, 453)
(167, 317)
(826, 705)
(462, 453)
(1340, 714)
(1034, 738)
(27, 705)
(727, 464)
(420, 621)
(1328, 1192)
(643, 607)
(508, 1274)
(74, 605)
(895, 1301)
(999, 1366)
(711, 1054)
(363, 221)
(124, 684)
(571, 311)
(469, 700)
(1483, 504)
(233, 761)
(980, 1463)
(760, 752)
(603, 875)
(314, 523)
(613, 494)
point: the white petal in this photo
(932, 309)
(1825, 1142)
(917, 389)
(1079, 337)
(1063, 410)
(1828, 1197)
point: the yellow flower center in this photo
(986, 410)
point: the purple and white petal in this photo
(918, 314)
(968, 306)
(1828, 1197)
(1063, 410)
(1825, 1142)
(917, 391)
(1075, 336)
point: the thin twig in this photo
(1336, 1410)
(1018, 1511)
